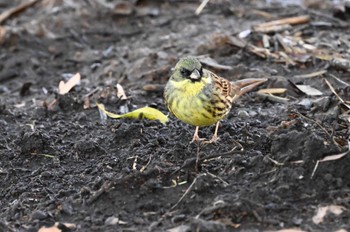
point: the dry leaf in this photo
(212, 63)
(49, 229)
(328, 158)
(120, 92)
(333, 157)
(308, 90)
(322, 212)
(64, 88)
(145, 112)
(273, 91)
(291, 230)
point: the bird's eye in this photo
(185, 72)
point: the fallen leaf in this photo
(120, 92)
(322, 212)
(145, 112)
(273, 91)
(64, 88)
(291, 230)
(49, 229)
(328, 158)
(311, 91)
(212, 63)
(334, 157)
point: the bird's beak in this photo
(195, 75)
(246, 85)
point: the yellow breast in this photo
(193, 102)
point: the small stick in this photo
(273, 98)
(15, 10)
(201, 6)
(309, 75)
(335, 93)
(291, 20)
(187, 191)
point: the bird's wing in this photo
(226, 89)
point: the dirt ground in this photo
(63, 166)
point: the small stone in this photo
(305, 103)
(114, 221)
(243, 114)
(39, 215)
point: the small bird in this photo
(199, 97)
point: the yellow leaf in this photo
(144, 112)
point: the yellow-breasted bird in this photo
(199, 97)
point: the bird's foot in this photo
(214, 139)
(197, 139)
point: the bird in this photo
(201, 98)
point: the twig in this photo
(201, 7)
(328, 158)
(197, 158)
(339, 80)
(144, 167)
(104, 188)
(275, 161)
(187, 191)
(335, 93)
(286, 21)
(15, 10)
(273, 98)
(317, 123)
(309, 75)
(191, 161)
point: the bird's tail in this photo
(243, 86)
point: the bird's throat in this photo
(190, 88)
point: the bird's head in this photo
(188, 68)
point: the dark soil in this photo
(62, 163)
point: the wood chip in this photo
(64, 88)
(120, 92)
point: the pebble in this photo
(305, 103)
(38, 215)
(243, 114)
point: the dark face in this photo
(188, 68)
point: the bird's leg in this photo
(215, 136)
(196, 137)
